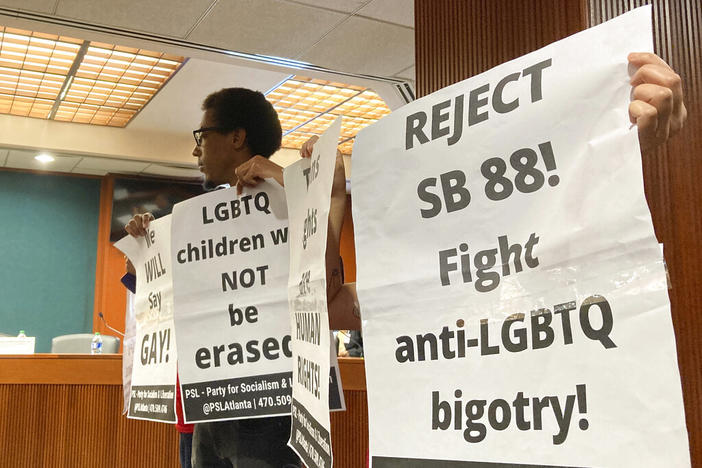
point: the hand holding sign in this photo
(255, 170)
(136, 226)
(344, 311)
(657, 109)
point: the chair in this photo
(80, 343)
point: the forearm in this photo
(344, 311)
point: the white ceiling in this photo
(176, 108)
(377, 35)
(98, 166)
(369, 37)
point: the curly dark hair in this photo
(234, 108)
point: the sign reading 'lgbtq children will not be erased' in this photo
(153, 381)
(230, 261)
(508, 274)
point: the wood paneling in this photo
(83, 369)
(672, 179)
(349, 431)
(455, 40)
(110, 294)
(78, 426)
(63, 411)
(347, 245)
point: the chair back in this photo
(80, 343)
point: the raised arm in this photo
(344, 312)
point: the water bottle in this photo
(21, 334)
(96, 344)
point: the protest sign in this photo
(514, 298)
(308, 185)
(152, 394)
(230, 275)
(230, 262)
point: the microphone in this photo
(103, 321)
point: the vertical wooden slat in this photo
(349, 431)
(456, 40)
(76, 426)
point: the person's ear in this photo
(238, 138)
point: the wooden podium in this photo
(64, 410)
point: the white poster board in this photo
(231, 263)
(308, 185)
(152, 394)
(230, 259)
(514, 301)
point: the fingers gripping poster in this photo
(308, 185)
(153, 381)
(514, 299)
(230, 263)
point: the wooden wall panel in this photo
(76, 426)
(63, 411)
(455, 40)
(673, 182)
(347, 247)
(349, 431)
(110, 294)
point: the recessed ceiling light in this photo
(45, 158)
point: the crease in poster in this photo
(509, 276)
(308, 185)
(153, 373)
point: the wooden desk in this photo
(64, 410)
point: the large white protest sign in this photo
(230, 262)
(152, 394)
(514, 299)
(308, 185)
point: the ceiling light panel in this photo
(307, 107)
(108, 85)
(346, 146)
(33, 67)
(292, 118)
(113, 83)
(295, 139)
(367, 105)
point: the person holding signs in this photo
(239, 131)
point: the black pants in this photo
(186, 449)
(249, 443)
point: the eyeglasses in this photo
(197, 134)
